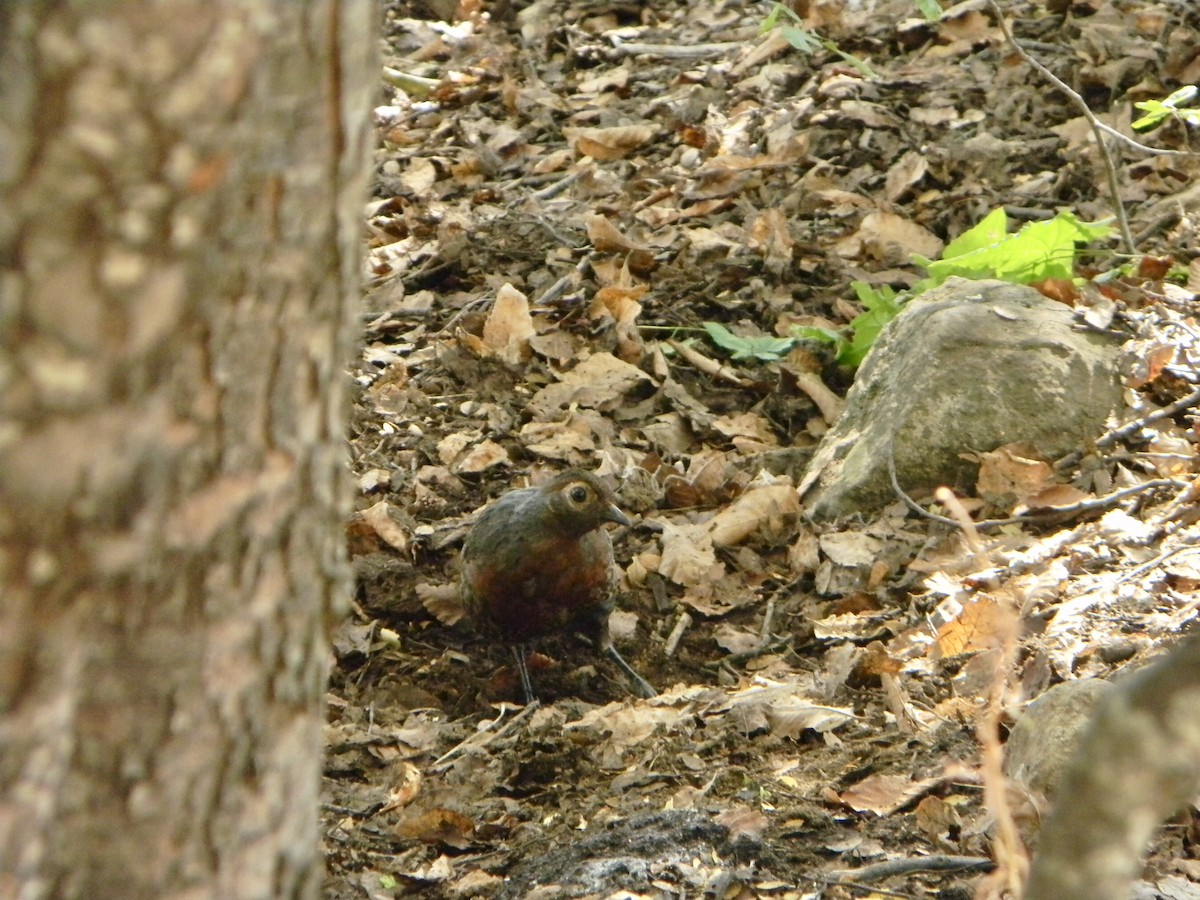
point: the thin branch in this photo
(706, 364)
(1056, 514)
(1098, 128)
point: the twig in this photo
(483, 300)
(413, 85)
(762, 649)
(558, 187)
(764, 633)
(1183, 502)
(1098, 128)
(1185, 402)
(893, 867)
(1060, 513)
(676, 51)
(554, 293)
(706, 365)
(962, 518)
(829, 403)
(485, 737)
(681, 625)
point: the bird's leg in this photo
(523, 671)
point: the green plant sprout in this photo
(930, 9)
(880, 305)
(767, 349)
(1174, 107)
(1037, 252)
(1040, 250)
(806, 41)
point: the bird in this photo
(538, 561)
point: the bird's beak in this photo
(615, 515)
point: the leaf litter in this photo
(588, 247)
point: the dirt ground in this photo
(564, 194)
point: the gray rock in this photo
(966, 367)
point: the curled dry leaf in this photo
(610, 143)
(1012, 471)
(622, 304)
(744, 822)
(483, 455)
(380, 519)
(885, 794)
(606, 238)
(438, 826)
(887, 236)
(507, 329)
(443, 602)
(688, 557)
(769, 511)
(571, 441)
(405, 787)
(770, 238)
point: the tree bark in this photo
(1138, 762)
(180, 205)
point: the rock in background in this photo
(967, 367)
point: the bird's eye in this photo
(578, 494)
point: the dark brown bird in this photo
(538, 561)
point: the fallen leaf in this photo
(438, 826)
(610, 143)
(379, 517)
(509, 326)
(599, 382)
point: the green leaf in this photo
(992, 229)
(1040, 250)
(1181, 97)
(930, 9)
(1172, 107)
(882, 306)
(771, 19)
(1155, 111)
(807, 41)
(824, 335)
(765, 348)
(803, 40)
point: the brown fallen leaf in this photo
(610, 143)
(506, 331)
(379, 517)
(438, 826)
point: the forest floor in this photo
(629, 172)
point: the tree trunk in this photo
(1138, 762)
(180, 204)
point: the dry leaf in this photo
(769, 237)
(889, 237)
(1012, 471)
(885, 794)
(599, 382)
(443, 601)
(768, 511)
(606, 238)
(482, 456)
(688, 557)
(610, 143)
(380, 519)
(622, 304)
(438, 826)
(976, 628)
(509, 326)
